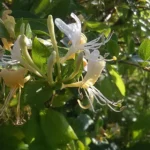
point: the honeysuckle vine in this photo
(89, 64)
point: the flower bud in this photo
(50, 64)
(79, 62)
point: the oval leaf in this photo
(40, 54)
(144, 50)
(56, 128)
(117, 80)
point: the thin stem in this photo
(18, 107)
(133, 64)
(7, 100)
(50, 24)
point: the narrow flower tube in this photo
(51, 30)
(50, 67)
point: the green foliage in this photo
(113, 48)
(40, 54)
(117, 80)
(51, 117)
(144, 51)
(56, 128)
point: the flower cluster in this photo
(95, 62)
(86, 53)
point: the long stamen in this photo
(83, 107)
(101, 96)
(113, 108)
(108, 102)
(98, 101)
(94, 45)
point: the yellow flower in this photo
(14, 79)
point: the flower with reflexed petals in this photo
(78, 42)
(96, 64)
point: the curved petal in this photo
(63, 27)
(72, 31)
(94, 70)
(15, 52)
(77, 20)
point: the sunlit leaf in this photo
(98, 27)
(36, 93)
(144, 50)
(56, 128)
(60, 99)
(40, 54)
(117, 80)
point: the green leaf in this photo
(40, 6)
(79, 145)
(117, 80)
(37, 24)
(92, 24)
(39, 32)
(131, 46)
(56, 128)
(10, 133)
(113, 48)
(144, 50)
(98, 27)
(40, 54)
(23, 14)
(111, 91)
(114, 37)
(3, 31)
(61, 98)
(84, 121)
(34, 135)
(36, 93)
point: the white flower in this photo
(73, 32)
(20, 53)
(16, 51)
(96, 64)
